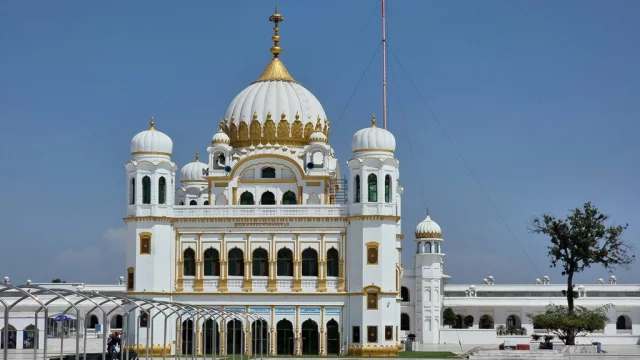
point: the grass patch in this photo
(427, 354)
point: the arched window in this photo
(513, 322)
(309, 262)
(404, 293)
(206, 202)
(260, 264)
(623, 323)
(211, 262)
(405, 322)
(486, 322)
(162, 190)
(387, 188)
(193, 202)
(468, 321)
(92, 321)
(132, 191)
(189, 262)
(289, 198)
(246, 198)
(268, 173)
(356, 190)
(285, 262)
(427, 247)
(236, 262)
(267, 198)
(116, 322)
(146, 190)
(131, 278)
(372, 188)
(333, 262)
(144, 320)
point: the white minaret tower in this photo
(373, 245)
(150, 199)
(429, 281)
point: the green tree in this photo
(448, 316)
(579, 241)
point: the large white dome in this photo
(373, 138)
(151, 142)
(255, 115)
(428, 229)
(193, 171)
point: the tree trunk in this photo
(571, 335)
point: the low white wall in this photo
(468, 336)
(489, 337)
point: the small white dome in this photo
(317, 137)
(194, 171)
(428, 229)
(373, 138)
(151, 142)
(221, 138)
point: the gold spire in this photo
(197, 156)
(152, 123)
(373, 120)
(276, 70)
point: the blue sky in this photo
(503, 110)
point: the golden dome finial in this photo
(276, 18)
(373, 120)
(152, 123)
(196, 157)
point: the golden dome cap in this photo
(220, 137)
(318, 137)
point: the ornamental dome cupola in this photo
(428, 229)
(317, 137)
(373, 138)
(194, 171)
(274, 109)
(220, 137)
(151, 142)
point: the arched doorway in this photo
(259, 335)
(267, 198)
(486, 322)
(187, 337)
(12, 338)
(235, 337)
(29, 337)
(310, 338)
(92, 322)
(623, 323)
(289, 198)
(284, 331)
(333, 337)
(513, 322)
(211, 335)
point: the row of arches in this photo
(260, 262)
(268, 198)
(146, 190)
(372, 188)
(29, 337)
(285, 337)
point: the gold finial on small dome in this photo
(196, 157)
(373, 120)
(152, 123)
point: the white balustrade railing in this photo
(248, 211)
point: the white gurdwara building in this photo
(265, 224)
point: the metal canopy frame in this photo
(69, 300)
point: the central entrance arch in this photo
(284, 331)
(187, 337)
(310, 338)
(333, 337)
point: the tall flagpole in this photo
(384, 66)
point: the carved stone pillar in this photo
(297, 342)
(224, 269)
(322, 278)
(198, 284)
(180, 278)
(246, 281)
(341, 283)
(272, 284)
(223, 339)
(323, 334)
(297, 275)
(248, 343)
